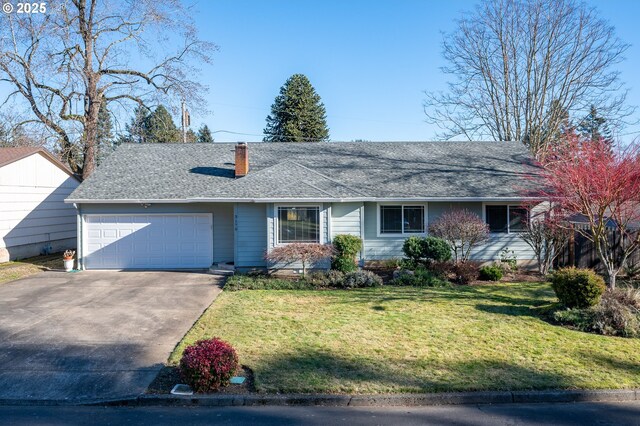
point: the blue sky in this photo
(370, 61)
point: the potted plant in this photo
(67, 256)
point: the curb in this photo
(428, 399)
(331, 400)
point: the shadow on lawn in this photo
(483, 298)
(323, 371)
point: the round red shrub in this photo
(208, 364)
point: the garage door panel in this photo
(148, 241)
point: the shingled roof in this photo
(318, 171)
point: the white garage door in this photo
(153, 241)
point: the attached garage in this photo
(148, 241)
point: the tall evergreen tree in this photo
(204, 134)
(105, 142)
(594, 127)
(297, 114)
(136, 129)
(160, 128)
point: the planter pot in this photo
(68, 265)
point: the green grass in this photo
(10, 271)
(403, 339)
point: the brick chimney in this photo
(242, 159)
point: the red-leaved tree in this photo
(462, 229)
(304, 253)
(601, 183)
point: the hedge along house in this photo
(184, 206)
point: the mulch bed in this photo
(169, 376)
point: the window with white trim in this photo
(401, 219)
(506, 219)
(298, 224)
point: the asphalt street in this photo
(627, 413)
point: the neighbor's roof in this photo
(12, 154)
(318, 171)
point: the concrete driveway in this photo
(94, 334)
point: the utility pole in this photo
(186, 121)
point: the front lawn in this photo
(10, 271)
(405, 339)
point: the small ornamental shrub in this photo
(491, 273)
(208, 365)
(304, 253)
(347, 245)
(409, 264)
(466, 272)
(441, 269)
(358, 279)
(419, 278)
(435, 249)
(509, 260)
(617, 314)
(346, 248)
(577, 288)
(326, 279)
(412, 248)
(391, 264)
(343, 264)
(421, 250)
(613, 316)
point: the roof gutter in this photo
(295, 200)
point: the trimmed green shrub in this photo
(347, 245)
(346, 248)
(412, 248)
(424, 249)
(358, 279)
(419, 278)
(491, 273)
(435, 249)
(577, 288)
(343, 264)
(466, 271)
(208, 365)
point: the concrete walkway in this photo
(94, 334)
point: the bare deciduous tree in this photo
(547, 236)
(518, 67)
(81, 53)
(462, 230)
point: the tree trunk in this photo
(90, 132)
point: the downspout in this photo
(79, 241)
(362, 260)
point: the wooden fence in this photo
(582, 253)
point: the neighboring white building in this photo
(33, 216)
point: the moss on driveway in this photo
(388, 340)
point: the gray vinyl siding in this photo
(223, 242)
(251, 235)
(345, 219)
(380, 248)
